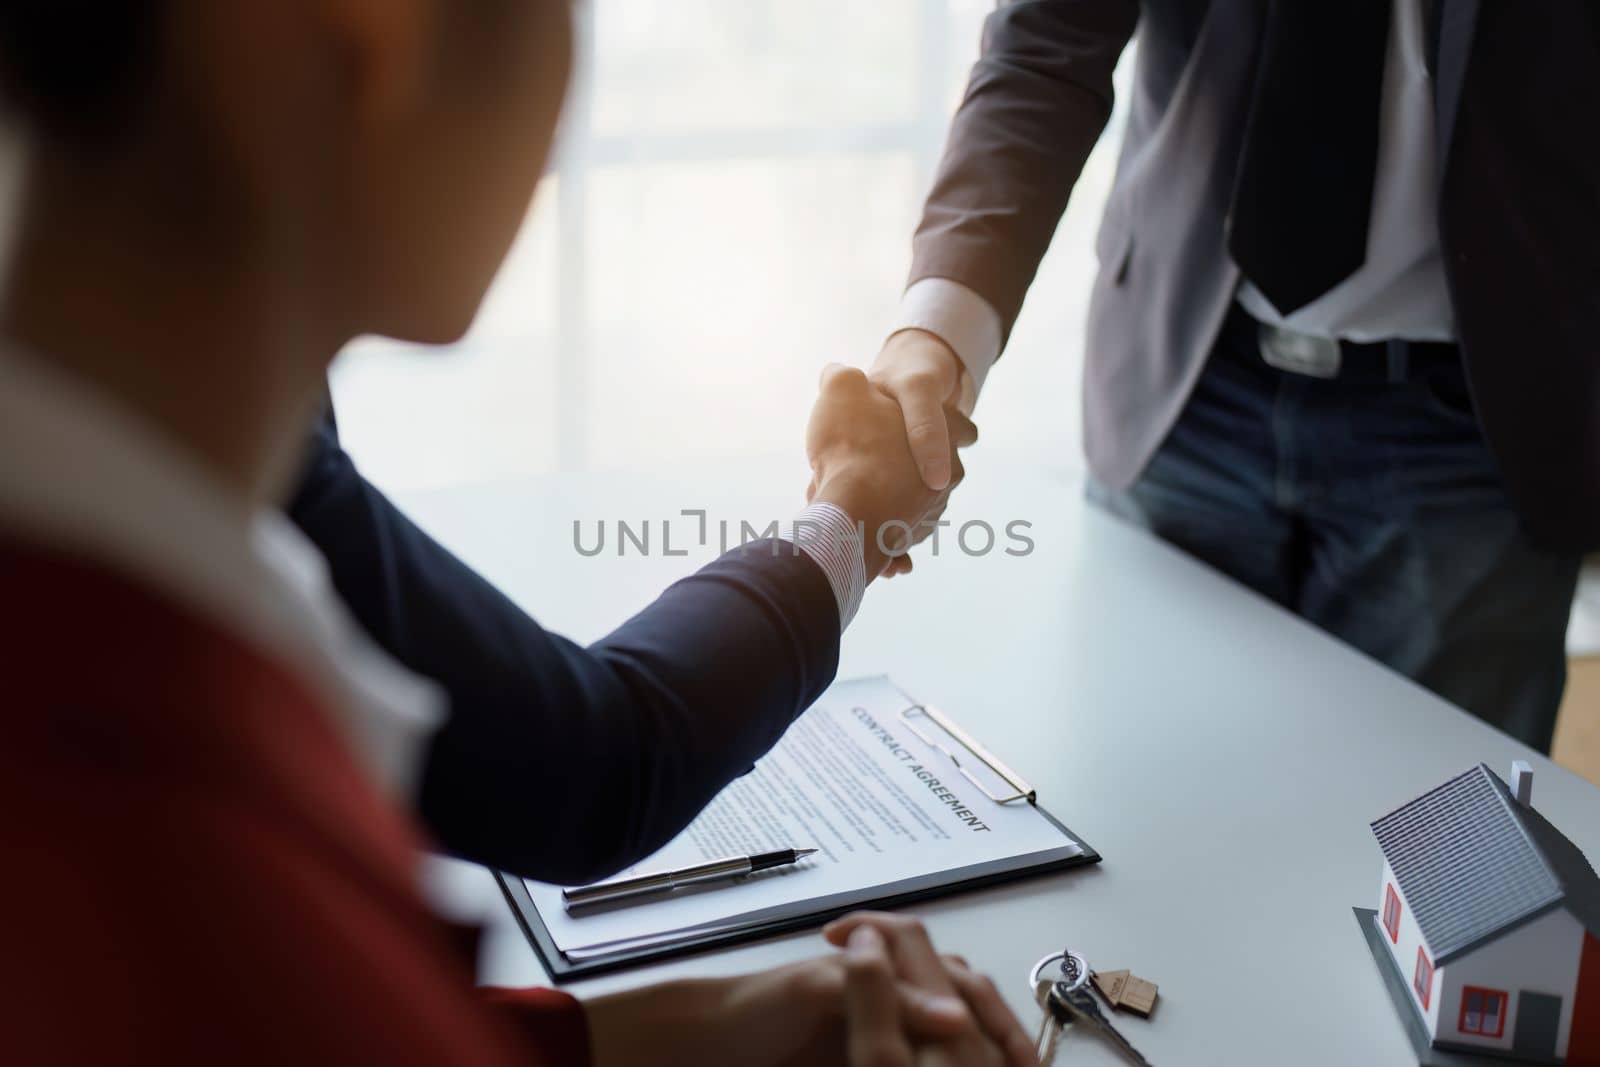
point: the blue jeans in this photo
(1376, 511)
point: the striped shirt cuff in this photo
(833, 541)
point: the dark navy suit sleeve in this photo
(565, 763)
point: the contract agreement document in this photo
(876, 792)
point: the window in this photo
(1391, 913)
(1422, 977)
(735, 194)
(1483, 1012)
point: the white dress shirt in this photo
(1399, 292)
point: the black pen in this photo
(662, 881)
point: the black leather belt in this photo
(1347, 361)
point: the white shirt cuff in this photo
(833, 541)
(960, 318)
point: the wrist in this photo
(677, 1023)
(962, 320)
(792, 1015)
(922, 344)
(859, 496)
(913, 352)
(830, 537)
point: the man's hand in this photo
(883, 950)
(888, 1000)
(924, 377)
(862, 462)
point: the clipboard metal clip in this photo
(917, 715)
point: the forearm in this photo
(678, 1023)
(561, 762)
(1037, 101)
(629, 738)
(792, 1015)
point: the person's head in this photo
(383, 151)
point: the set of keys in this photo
(1060, 984)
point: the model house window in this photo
(1391, 913)
(1422, 977)
(1483, 1012)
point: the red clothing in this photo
(196, 870)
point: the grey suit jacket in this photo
(1517, 89)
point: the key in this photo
(1044, 1046)
(1051, 992)
(1079, 1005)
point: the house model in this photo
(1491, 918)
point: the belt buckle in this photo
(1300, 353)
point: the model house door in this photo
(1538, 1023)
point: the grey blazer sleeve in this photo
(1037, 101)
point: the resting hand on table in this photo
(862, 462)
(882, 951)
(887, 1000)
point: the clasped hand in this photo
(887, 1000)
(885, 448)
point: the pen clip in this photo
(1022, 790)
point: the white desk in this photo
(1224, 757)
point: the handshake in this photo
(884, 445)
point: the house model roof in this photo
(1473, 862)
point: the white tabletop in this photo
(1223, 757)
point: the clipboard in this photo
(928, 723)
